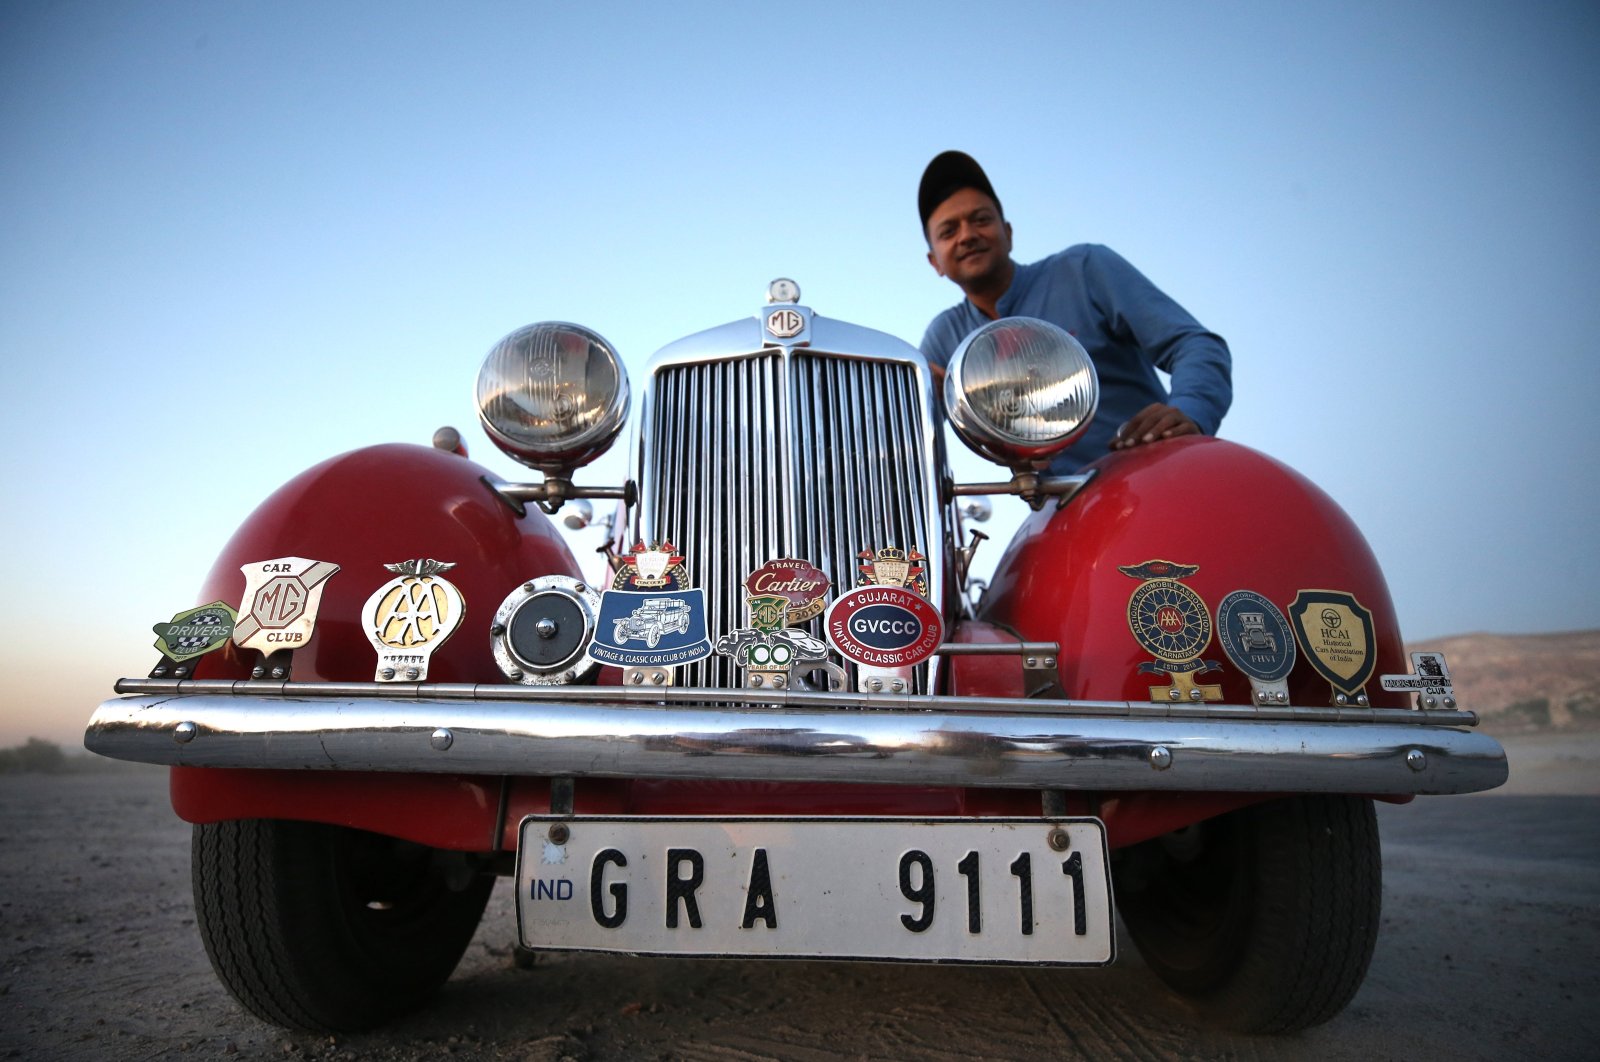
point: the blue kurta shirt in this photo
(1130, 329)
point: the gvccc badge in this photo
(407, 618)
(1170, 621)
(887, 626)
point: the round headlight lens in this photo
(1020, 390)
(553, 395)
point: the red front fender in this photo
(1248, 521)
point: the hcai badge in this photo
(280, 603)
(1257, 639)
(1335, 630)
(1170, 621)
(408, 617)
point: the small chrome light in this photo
(1020, 390)
(553, 396)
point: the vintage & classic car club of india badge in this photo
(886, 626)
(1169, 620)
(410, 616)
(780, 595)
(1335, 630)
(1257, 639)
(651, 617)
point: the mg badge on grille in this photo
(785, 322)
(1257, 639)
(409, 617)
(1169, 620)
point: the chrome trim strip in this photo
(537, 735)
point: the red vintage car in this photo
(1176, 700)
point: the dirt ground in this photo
(1489, 947)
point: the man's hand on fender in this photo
(1155, 421)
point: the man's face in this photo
(968, 240)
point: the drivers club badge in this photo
(190, 634)
(886, 626)
(410, 616)
(650, 617)
(1429, 680)
(1257, 639)
(780, 595)
(1335, 631)
(1170, 621)
(281, 598)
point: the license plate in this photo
(1034, 891)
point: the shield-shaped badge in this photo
(1335, 630)
(280, 603)
(408, 617)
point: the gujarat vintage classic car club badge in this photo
(886, 626)
(781, 595)
(1257, 639)
(192, 633)
(651, 618)
(1335, 630)
(1170, 621)
(281, 598)
(410, 616)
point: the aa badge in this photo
(193, 633)
(780, 595)
(1170, 621)
(1256, 637)
(1430, 681)
(408, 617)
(1335, 630)
(280, 603)
(651, 617)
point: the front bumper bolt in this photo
(184, 732)
(1059, 840)
(1417, 760)
(442, 739)
(1161, 757)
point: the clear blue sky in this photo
(237, 238)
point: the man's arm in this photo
(1197, 360)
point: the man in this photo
(1128, 326)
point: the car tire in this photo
(1264, 918)
(328, 929)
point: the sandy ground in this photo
(1489, 948)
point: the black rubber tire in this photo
(1264, 918)
(328, 929)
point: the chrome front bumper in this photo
(794, 736)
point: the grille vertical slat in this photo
(803, 455)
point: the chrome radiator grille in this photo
(785, 454)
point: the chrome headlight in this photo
(1020, 390)
(553, 396)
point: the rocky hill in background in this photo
(1525, 681)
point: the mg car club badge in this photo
(1256, 637)
(651, 617)
(780, 595)
(280, 603)
(1335, 630)
(193, 633)
(410, 616)
(1170, 621)
(1430, 681)
(886, 626)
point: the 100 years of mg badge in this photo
(410, 616)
